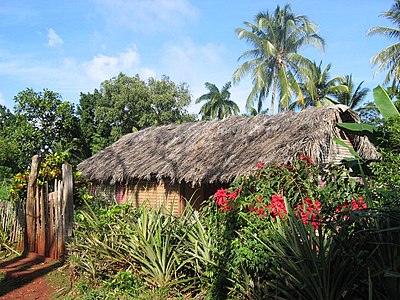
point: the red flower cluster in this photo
(277, 206)
(358, 204)
(307, 159)
(309, 210)
(224, 199)
(259, 208)
(260, 165)
(355, 204)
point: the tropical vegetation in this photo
(274, 63)
(296, 231)
(388, 58)
(218, 103)
(319, 88)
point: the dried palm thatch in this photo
(221, 150)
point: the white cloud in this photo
(148, 15)
(2, 101)
(103, 67)
(53, 38)
(189, 60)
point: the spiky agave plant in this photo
(158, 249)
(310, 264)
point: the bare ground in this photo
(24, 277)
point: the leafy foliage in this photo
(318, 88)
(247, 212)
(43, 122)
(351, 96)
(386, 178)
(387, 59)
(273, 62)
(218, 105)
(313, 264)
(163, 250)
(126, 104)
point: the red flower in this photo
(259, 206)
(358, 204)
(277, 206)
(260, 165)
(307, 159)
(224, 199)
(309, 211)
(354, 205)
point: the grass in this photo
(60, 280)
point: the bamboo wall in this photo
(154, 194)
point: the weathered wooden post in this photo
(30, 212)
(42, 222)
(68, 205)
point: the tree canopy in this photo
(125, 104)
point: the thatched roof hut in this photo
(218, 151)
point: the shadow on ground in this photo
(22, 270)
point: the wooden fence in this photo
(12, 223)
(44, 224)
(49, 214)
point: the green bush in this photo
(247, 212)
(385, 178)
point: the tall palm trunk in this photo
(273, 94)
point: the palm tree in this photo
(273, 62)
(218, 105)
(255, 112)
(351, 96)
(389, 58)
(318, 89)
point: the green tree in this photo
(218, 103)
(351, 96)
(389, 58)
(43, 122)
(318, 88)
(274, 62)
(125, 104)
(87, 123)
(9, 152)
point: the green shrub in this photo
(385, 179)
(246, 213)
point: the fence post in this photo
(31, 206)
(68, 205)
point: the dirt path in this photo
(24, 277)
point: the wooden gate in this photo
(49, 214)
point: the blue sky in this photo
(72, 46)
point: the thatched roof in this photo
(221, 150)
